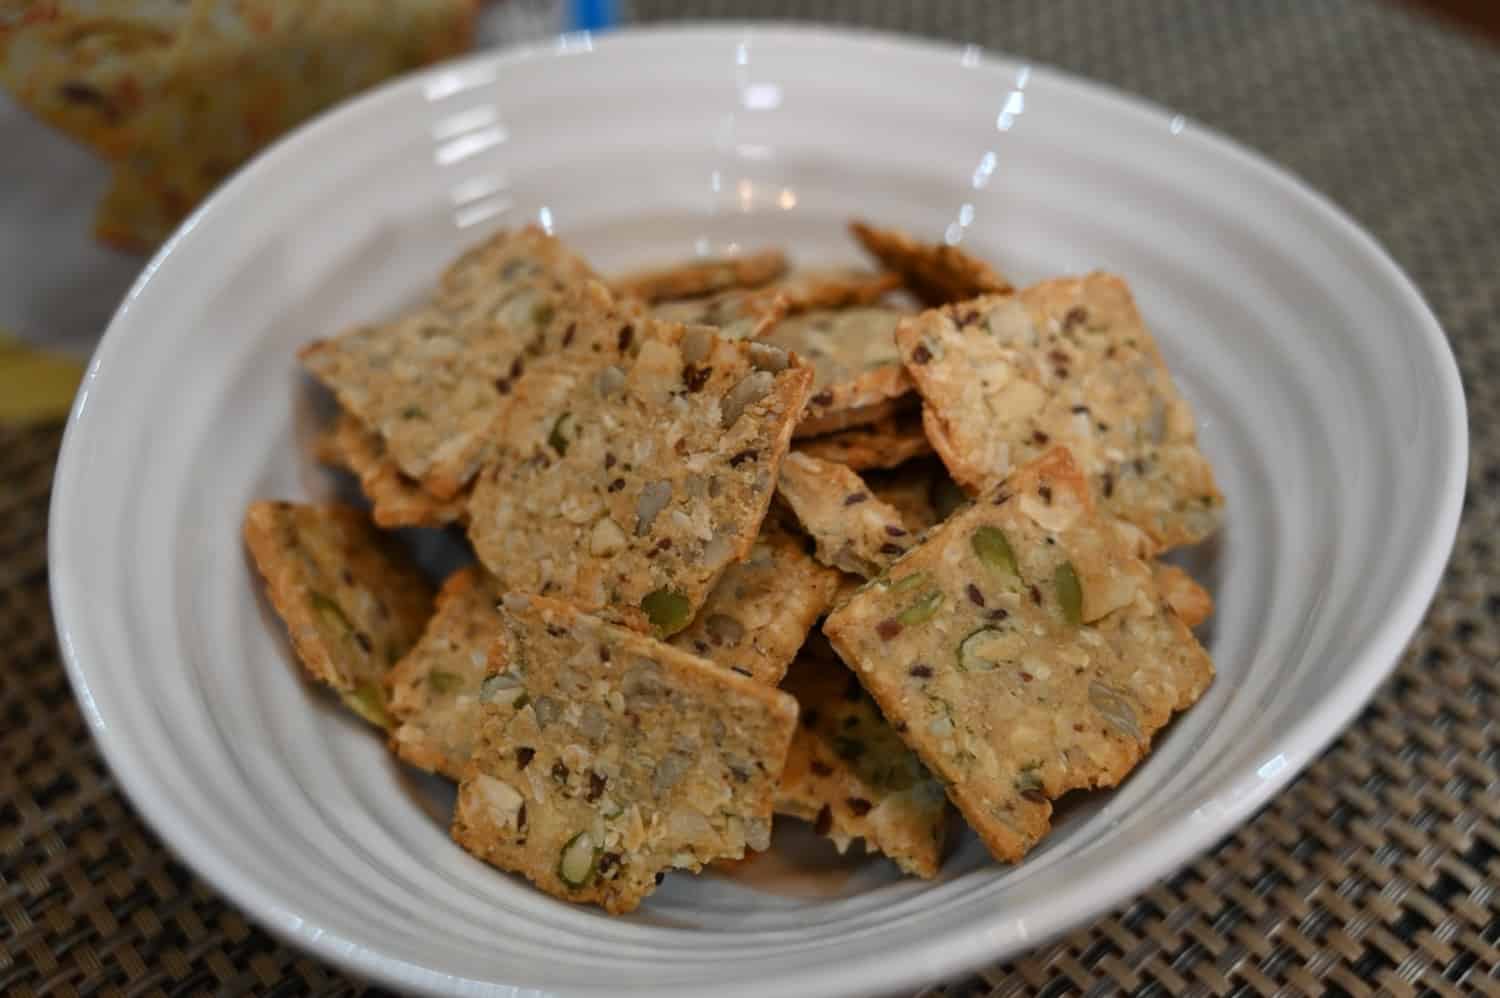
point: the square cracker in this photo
(934, 272)
(695, 278)
(1023, 651)
(430, 381)
(630, 487)
(762, 608)
(607, 758)
(883, 444)
(849, 773)
(434, 690)
(853, 531)
(1065, 362)
(855, 363)
(395, 500)
(352, 602)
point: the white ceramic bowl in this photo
(1326, 395)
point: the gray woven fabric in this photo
(1378, 870)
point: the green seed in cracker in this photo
(1069, 592)
(578, 861)
(668, 610)
(994, 550)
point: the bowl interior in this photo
(1321, 385)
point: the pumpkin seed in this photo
(1069, 593)
(991, 547)
(668, 610)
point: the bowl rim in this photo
(925, 959)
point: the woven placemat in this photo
(1377, 871)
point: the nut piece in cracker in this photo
(696, 278)
(607, 758)
(762, 608)
(885, 443)
(352, 603)
(854, 531)
(857, 369)
(434, 690)
(395, 500)
(851, 775)
(935, 273)
(1023, 651)
(630, 487)
(1187, 599)
(1066, 362)
(430, 381)
(737, 314)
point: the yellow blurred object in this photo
(176, 95)
(35, 386)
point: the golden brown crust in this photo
(760, 611)
(629, 488)
(695, 278)
(395, 500)
(606, 758)
(1187, 599)
(434, 690)
(881, 445)
(851, 776)
(353, 604)
(1066, 361)
(935, 273)
(1023, 651)
(430, 381)
(853, 530)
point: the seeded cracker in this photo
(695, 278)
(434, 690)
(1182, 593)
(854, 532)
(833, 287)
(1023, 652)
(762, 608)
(352, 603)
(607, 758)
(886, 443)
(430, 381)
(851, 775)
(857, 369)
(935, 273)
(395, 500)
(1064, 362)
(736, 314)
(633, 486)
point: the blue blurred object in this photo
(593, 15)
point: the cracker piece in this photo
(430, 381)
(1023, 651)
(737, 314)
(856, 364)
(607, 758)
(1066, 362)
(395, 500)
(1182, 593)
(937, 274)
(885, 443)
(434, 690)
(633, 486)
(849, 773)
(853, 531)
(762, 608)
(695, 278)
(833, 287)
(352, 602)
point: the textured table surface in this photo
(1377, 871)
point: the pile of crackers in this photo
(859, 547)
